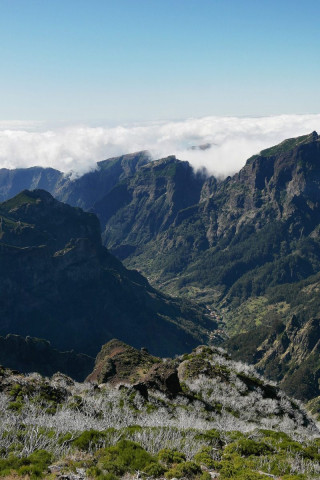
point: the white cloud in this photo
(78, 148)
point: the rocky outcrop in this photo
(121, 364)
(164, 377)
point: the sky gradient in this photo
(122, 61)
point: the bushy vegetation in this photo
(240, 457)
(226, 420)
(34, 466)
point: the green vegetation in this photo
(184, 469)
(23, 198)
(214, 424)
(125, 456)
(242, 459)
(34, 466)
(169, 457)
(286, 146)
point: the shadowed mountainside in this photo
(36, 355)
(58, 282)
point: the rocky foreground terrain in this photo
(198, 416)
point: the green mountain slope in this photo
(220, 240)
(248, 247)
(286, 353)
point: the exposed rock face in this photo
(145, 204)
(164, 377)
(88, 189)
(183, 230)
(288, 353)
(58, 282)
(118, 363)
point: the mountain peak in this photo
(130, 159)
(118, 362)
(28, 197)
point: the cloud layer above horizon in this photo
(77, 148)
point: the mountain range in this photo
(245, 248)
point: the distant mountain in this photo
(15, 180)
(58, 282)
(138, 210)
(224, 240)
(81, 191)
(86, 190)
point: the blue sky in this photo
(116, 61)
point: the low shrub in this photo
(185, 469)
(247, 447)
(170, 457)
(35, 465)
(205, 476)
(204, 457)
(89, 439)
(127, 456)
